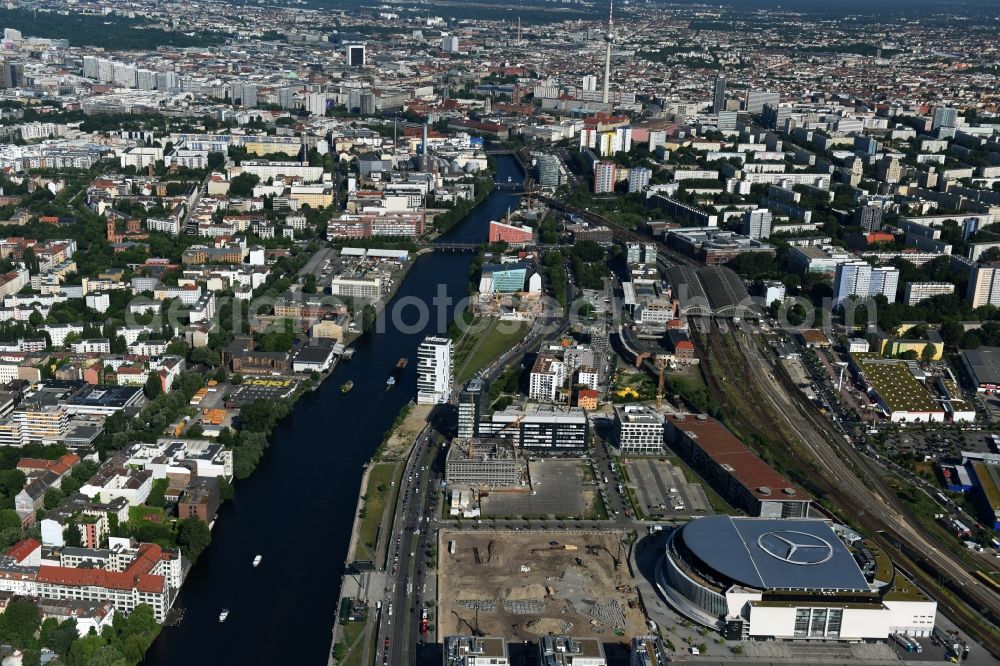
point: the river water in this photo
(297, 509)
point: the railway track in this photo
(618, 232)
(838, 472)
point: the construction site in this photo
(522, 585)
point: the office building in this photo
(567, 651)
(548, 375)
(355, 55)
(915, 292)
(41, 420)
(475, 651)
(13, 74)
(862, 280)
(91, 68)
(638, 429)
(469, 407)
(944, 117)
(642, 254)
(542, 428)
(733, 470)
(434, 371)
(638, 179)
(869, 218)
(288, 97)
(776, 116)
(370, 288)
(726, 121)
(719, 94)
(589, 83)
(449, 44)
(243, 94)
(756, 99)
(548, 171)
(511, 234)
(757, 223)
(797, 579)
(503, 278)
(167, 81)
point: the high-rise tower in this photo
(719, 94)
(609, 39)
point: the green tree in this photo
(216, 161)
(71, 535)
(927, 355)
(53, 498)
(242, 185)
(19, 622)
(193, 537)
(30, 261)
(83, 650)
(992, 254)
(153, 386)
(108, 655)
(157, 493)
(9, 520)
(58, 636)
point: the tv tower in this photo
(609, 38)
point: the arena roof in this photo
(786, 554)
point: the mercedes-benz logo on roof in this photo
(795, 547)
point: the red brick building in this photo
(510, 233)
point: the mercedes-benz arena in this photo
(766, 578)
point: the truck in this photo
(423, 620)
(907, 643)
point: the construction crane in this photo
(510, 425)
(661, 365)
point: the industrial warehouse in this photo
(761, 578)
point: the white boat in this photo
(256, 560)
(391, 381)
(223, 615)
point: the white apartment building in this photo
(547, 376)
(58, 332)
(984, 286)
(434, 371)
(915, 292)
(861, 279)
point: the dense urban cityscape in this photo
(558, 334)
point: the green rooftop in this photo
(898, 389)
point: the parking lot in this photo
(940, 443)
(662, 489)
(556, 490)
(262, 388)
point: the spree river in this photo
(297, 509)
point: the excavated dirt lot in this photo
(528, 584)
